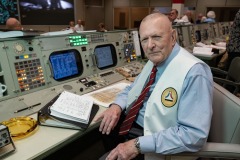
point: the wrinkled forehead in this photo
(155, 24)
(158, 19)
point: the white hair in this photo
(211, 14)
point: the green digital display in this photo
(78, 40)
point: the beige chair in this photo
(224, 136)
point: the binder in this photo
(44, 118)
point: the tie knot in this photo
(153, 72)
(154, 69)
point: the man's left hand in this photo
(124, 151)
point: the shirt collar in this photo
(174, 52)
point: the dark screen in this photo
(105, 56)
(46, 12)
(65, 64)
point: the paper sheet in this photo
(73, 107)
(104, 97)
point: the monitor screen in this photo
(8, 9)
(205, 34)
(46, 12)
(105, 56)
(198, 36)
(65, 64)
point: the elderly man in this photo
(165, 102)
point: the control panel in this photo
(35, 69)
(207, 33)
(224, 29)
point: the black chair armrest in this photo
(227, 82)
(218, 71)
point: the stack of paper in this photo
(203, 51)
(220, 45)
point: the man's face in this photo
(71, 24)
(173, 15)
(157, 39)
(79, 22)
(200, 16)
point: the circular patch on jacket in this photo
(169, 97)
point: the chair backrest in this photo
(234, 70)
(225, 126)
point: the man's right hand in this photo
(109, 118)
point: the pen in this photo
(29, 107)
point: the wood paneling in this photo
(139, 3)
(162, 3)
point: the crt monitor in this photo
(65, 64)
(105, 56)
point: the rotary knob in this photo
(18, 48)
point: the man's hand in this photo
(124, 151)
(109, 118)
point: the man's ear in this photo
(174, 35)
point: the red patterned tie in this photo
(127, 123)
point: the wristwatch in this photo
(137, 145)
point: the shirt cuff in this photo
(120, 104)
(147, 144)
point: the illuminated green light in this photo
(78, 40)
